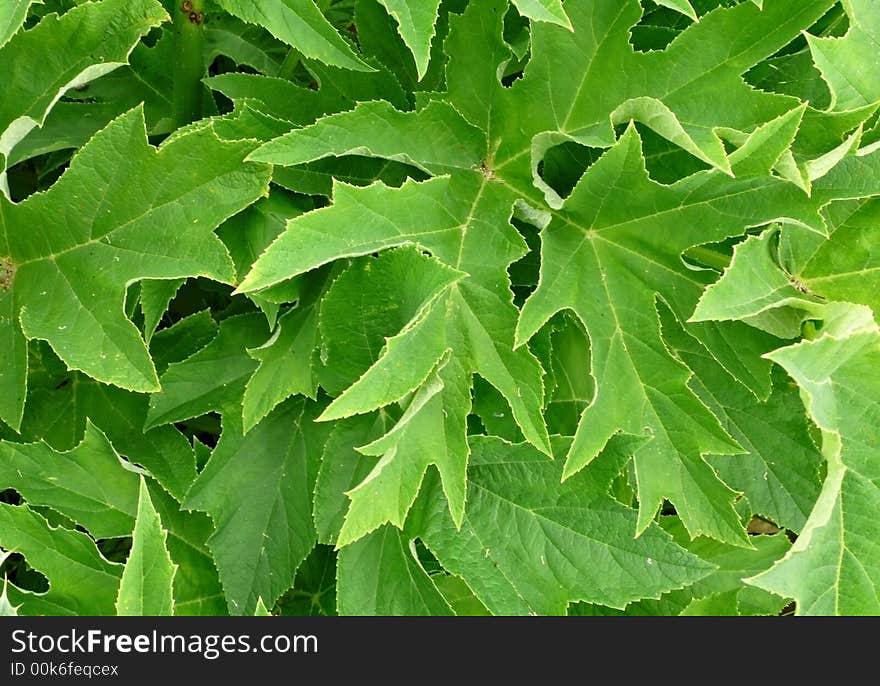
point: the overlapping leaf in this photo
(834, 567)
(124, 211)
(649, 227)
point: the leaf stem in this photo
(809, 330)
(708, 257)
(189, 20)
(289, 65)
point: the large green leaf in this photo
(531, 544)
(129, 212)
(452, 219)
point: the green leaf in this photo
(286, 366)
(12, 16)
(779, 470)
(429, 432)
(847, 64)
(343, 468)
(197, 589)
(451, 220)
(145, 588)
(212, 379)
(683, 6)
(596, 262)
(439, 137)
(846, 267)
(55, 392)
(7, 609)
(416, 20)
(834, 566)
(155, 298)
(258, 491)
(666, 90)
(531, 544)
(90, 484)
(245, 44)
(61, 53)
(298, 23)
(68, 289)
(544, 10)
(733, 566)
(81, 581)
(380, 575)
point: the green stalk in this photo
(708, 257)
(809, 330)
(189, 26)
(289, 65)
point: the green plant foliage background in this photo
(437, 307)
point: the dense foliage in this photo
(440, 307)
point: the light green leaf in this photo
(846, 267)
(380, 575)
(847, 64)
(61, 53)
(431, 138)
(68, 287)
(416, 21)
(544, 10)
(834, 566)
(81, 581)
(145, 588)
(286, 366)
(12, 16)
(683, 6)
(343, 468)
(429, 432)
(300, 24)
(90, 484)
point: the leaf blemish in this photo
(7, 273)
